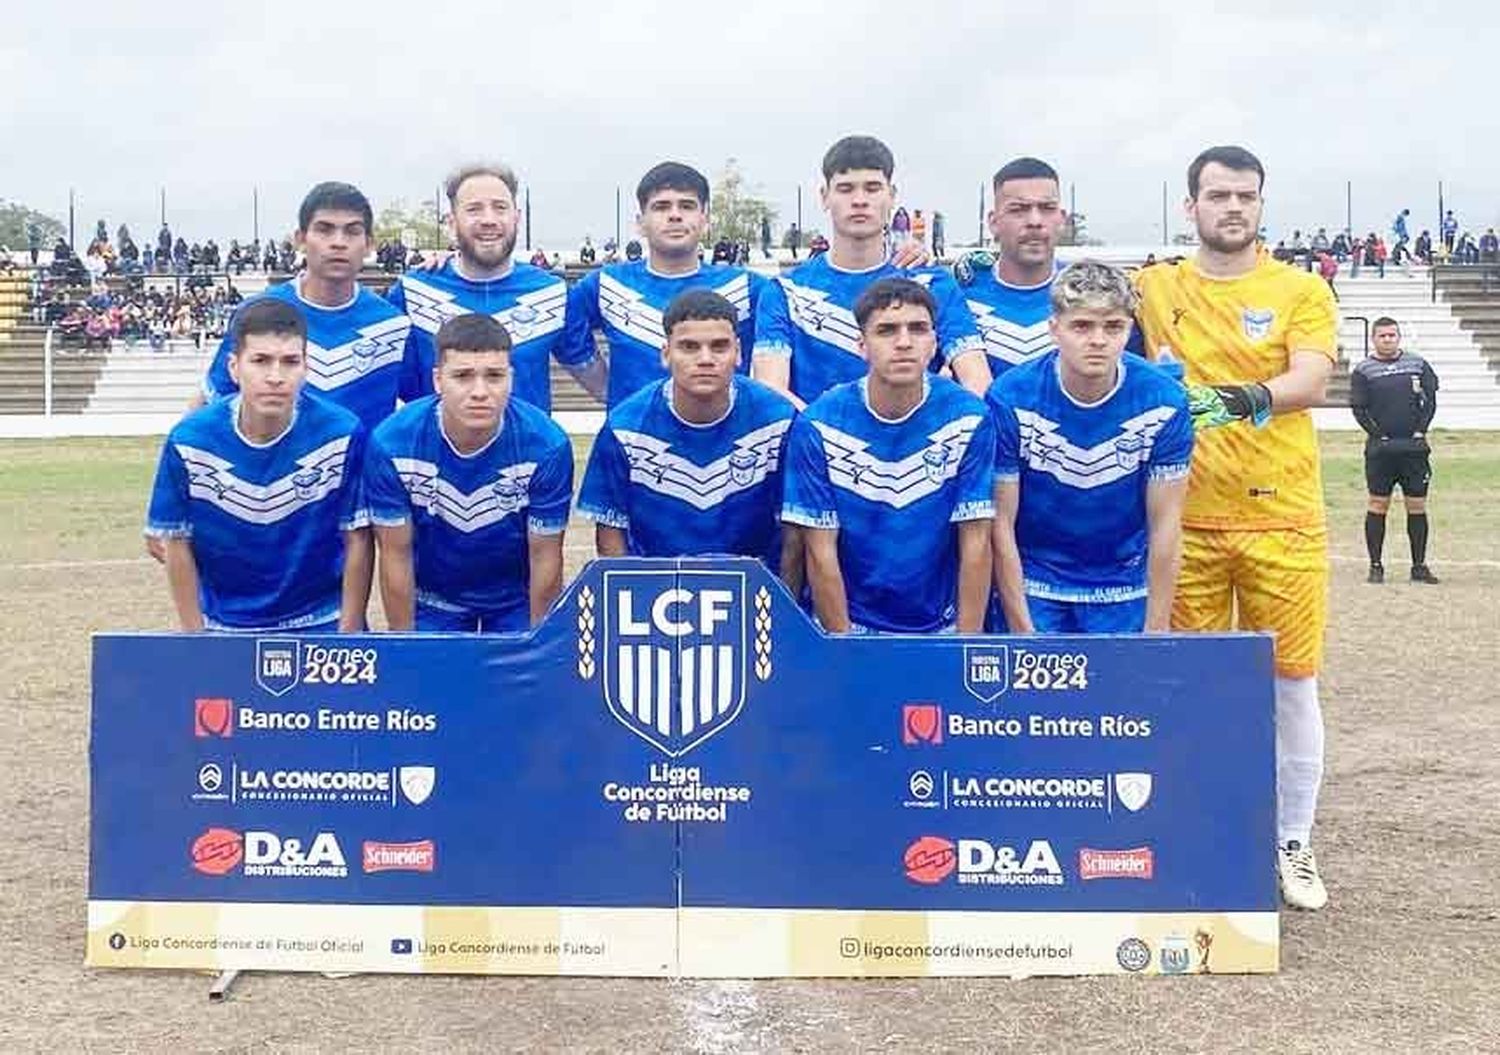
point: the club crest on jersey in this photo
(278, 664)
(742, 465)
(1258, 322)
(935, 461)
(364, 354)
(306, 482)
(674, 654)
(522, 320)
(1128, 450)
(510, 494)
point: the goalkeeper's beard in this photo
(1221, 243)
(488, 255)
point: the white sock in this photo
(1299, 757)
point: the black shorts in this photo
(1384, 469)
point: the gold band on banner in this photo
(669, 942)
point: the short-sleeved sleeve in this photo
(1007, 435)
(167, 514)
(1314, 324)
(976, 475)
(773, 322)
(958, 334)
(604, 497)
(1172, 450)
(354, 513)
(550, 492)
(807, 491)
(581, 319)
(416, 375)
(385, 496)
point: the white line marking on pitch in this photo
(73, 565)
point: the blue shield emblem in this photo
(1176, 957)
(364, 355)
(935, 462)
(522, 321)
(742, 465)
(306, 482)
(278, 664)
(1257, 322)
(674, 654)
(1128, 450)
(986, 671)
(510, 495)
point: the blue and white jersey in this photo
(895, 491)
(680, 489)
(627, 302)
(471, 514)
(808, 314)
(266, 520)
(1083, 471)
(1011, 319)
(530, 303)
(354, 352)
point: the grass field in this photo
(1407, 956)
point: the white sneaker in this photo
(1301, 886)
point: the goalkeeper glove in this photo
(971, 264)
(1214, 405)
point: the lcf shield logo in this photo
(1133, 790)
(417, 782)
(986, 671)
(278, 664)
(674, 654)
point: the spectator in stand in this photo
(586, 253)
(181, 260)
(1375, 252)
(1328, 267)
(1298, 247)
(211, 257)
(900, 226)
(7, 261)
(1320, 241)
(765, 236)
(268, 262)
(1402, 255)
(1341, 246)
(1468, 247)
(817, 244)
(288, 257)
(233, 261)
(633, 250)
(164, 244)
(919, 227)
(1489, 247)
(1282, 253)
(938, 236)
(1424, 247)
(538, 258)
(1449, 229)
(723, 253)
(33, 242)
(793, 239)
(611, 250)
(1398, 225)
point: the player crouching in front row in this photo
(1092, 457)
(468, 490)
(257, 496)
(891, 478)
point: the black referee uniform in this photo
(1394, 401)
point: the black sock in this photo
(1375, 535)
(1416, 531)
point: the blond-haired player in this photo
(1256, 339)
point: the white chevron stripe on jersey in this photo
(815, 316)
(1044, 448)
(379, 344)
(427, 306)
(212, 479)
(535, 314)
(471, 511)
(625, 309)
(756, 455)
(1007, 340)
(737, 292)
(900, 483)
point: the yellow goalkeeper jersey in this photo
(1227, 331)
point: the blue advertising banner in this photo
(676, 773)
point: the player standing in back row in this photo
(1257, 342)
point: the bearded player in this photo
(1256, 340)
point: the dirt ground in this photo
(1406, 957)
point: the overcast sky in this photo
(120, 100)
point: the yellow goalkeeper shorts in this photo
(1276, 581)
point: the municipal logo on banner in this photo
(674, 648)
(1133, 790)
(278, 664)
(986, 671)
(417, 782)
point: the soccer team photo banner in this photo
(677, 774)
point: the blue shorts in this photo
(431, 619)
(1087, 617)
(330, 627)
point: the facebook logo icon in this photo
(400, 946)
